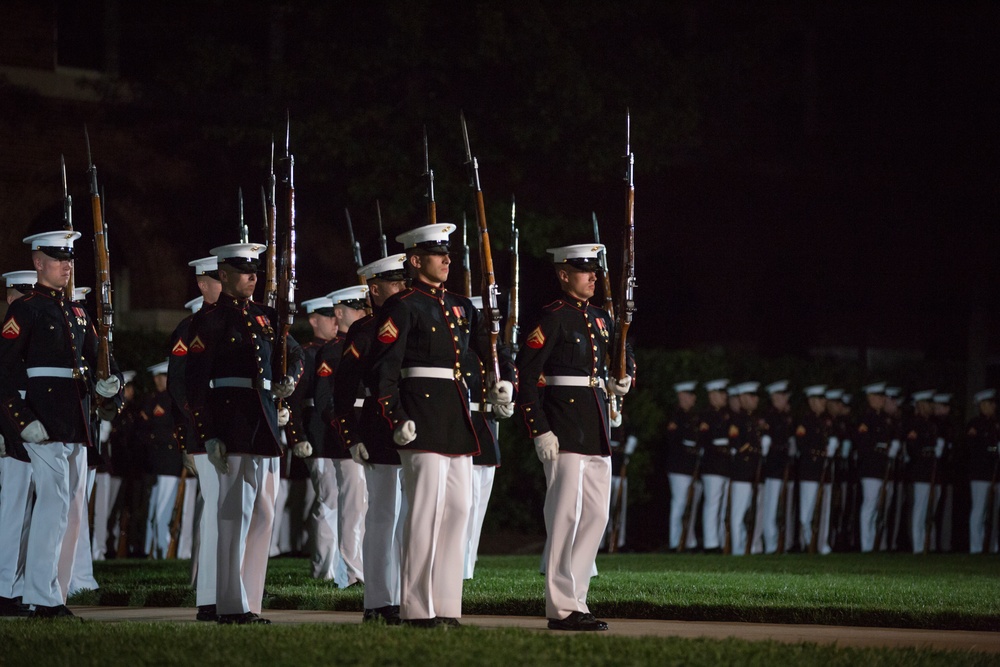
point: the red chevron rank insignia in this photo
(388, 332)
(11, 329)
(733, 431)
(800, 431)
(863, 428)
(158, 411)
(324, 370)
(179, 349)
(353, 351)
(196, 345)
(536, 339)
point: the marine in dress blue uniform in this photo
(564, 401)
(714, 431)
(682, 455)
(777, 470)
(982, 434)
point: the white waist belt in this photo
(309, 403)
(481, 407)
(52, 372)
(427, 372)
(573, 381)
(689, 443)
(720, 441)
(359, 402)
(240, 383)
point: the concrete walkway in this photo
(951, 640)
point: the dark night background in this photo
(812, 179)
(805, 174)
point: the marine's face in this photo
(432, 269)
(578, 284)
(236, 284)
(52, 272)
(381, 290)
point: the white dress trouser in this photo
(83, 560)
(679, 485)
(103, 502)
(918, 528)
(716, 490)
(807, 504)
(871, 488)
(768, 520)
(738, 508)
(161, 509)
(57, 469)
(246, 515)
(577, 497)
(280, 520)
(482, 489)
(353, 502)
(387, 510)
(208, 532)
(185, 541)
(327, 563)
(439, 493)
(978, 491)
(16, 491)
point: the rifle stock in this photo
(177, 516)
(783, 506)
(929, 519)
(105, 309)
(626, 292)
(752, 512)
(727, 521)
(689, 504)
(818, 508)
(880, 506)
(466, 261)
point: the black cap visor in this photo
(56, 252)
(241, 264)
(583, 264)
(431, 248)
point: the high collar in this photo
(232, 301)
(50, 292)
(574, 302)
(428, 289)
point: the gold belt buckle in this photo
(458, 373)
(79, 373)
(593, 382)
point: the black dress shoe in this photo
(9, 607)
(577, 621)
(59, 611)
(421, 622)
(246, 618)
(207, 612)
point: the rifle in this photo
(818, 508)
(286, 278)
(466, 264)
(68, 226)
(489, 286)
(752, 512)
(880, 507)
(271, 235)
(626, 308)
(727, 547)
(429, 173)
(513, 326)
(990, 500)
(121, 549)
(381, 235)
(105, 311)
(176, 517)
(929, 519)
(616, 522)
(602, 258)
(689, 502)
(782, 505)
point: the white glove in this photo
(35, 433)
(359, 453)
(501, 392)
(547, 446)
(405, 433)
(765, 444)
(894, 448)
(3, 447)
(831, 447)
(845, 449)
(620, 387)
(284, 414)
(108, 387)
(939, 448)
(793, 448)
(616, 418)
(189, 464)
(303, 449)
(284, 387)
(217, 455)
(503, 410)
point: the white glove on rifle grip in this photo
(405, 433)
(216, 450)
(359, 453)
(284, 387)
(501, 392)
(503, 410)
(108, 387)
(302, 449)
(620, 387)
(765, 444)
(939, 448)
(284, 415)
(35, 433)
(894, 448)
(831, 447)
(188, 461)
(615, 418)
(547, 446)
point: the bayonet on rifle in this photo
(67, 225)
(381, 235)
(466, 265)
(429, 174)
(489, 285)
(513, 327)
(602, 259)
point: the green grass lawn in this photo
(889, 590)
